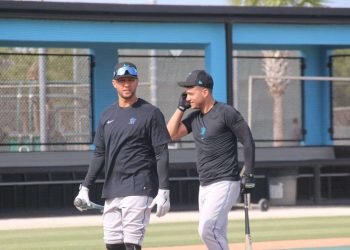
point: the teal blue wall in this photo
(104, 38)
(291, 34)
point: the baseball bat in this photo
(248, 239)
(82, 204)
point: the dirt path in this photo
(273, 245)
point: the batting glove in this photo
(247, 183)
(84, 196)
(162, 201)
(183, 104)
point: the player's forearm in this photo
(244, 136)
(95, 168)
(248, 149)
(249, 156)
(162, 157)
(174, 123)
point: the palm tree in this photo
(274, 64)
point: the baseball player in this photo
(132, 148)
(216, 128)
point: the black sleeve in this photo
(243, 134)
(162, 156)
(159, 131)
(245, 137)
(98, 159)
(188, 121)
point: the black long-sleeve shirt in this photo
(131, 146)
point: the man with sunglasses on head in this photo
(132, 148)
(216, 127)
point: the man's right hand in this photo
(183, 104)
(84, 196)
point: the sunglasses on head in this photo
(125, 71)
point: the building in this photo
(167, 42)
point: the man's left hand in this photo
(162, 200)
(247, 183)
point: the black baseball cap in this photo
(123, 69)
(198, 78)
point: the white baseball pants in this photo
(125, 219)
(215, 202)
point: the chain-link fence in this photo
(45, 101)
(259, 106)
(46, 98)
(340, 66)
(159, 71)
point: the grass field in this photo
(176, 234)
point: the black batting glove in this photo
(247, 183)
(183, 104)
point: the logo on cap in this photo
(198, 78)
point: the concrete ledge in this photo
(265, 157)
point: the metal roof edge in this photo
(169, 13)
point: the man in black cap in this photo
(132, 148)
(216, 128)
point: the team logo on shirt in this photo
(132, 121)
(203, 131)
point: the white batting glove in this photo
(84, 196)
(162, 200)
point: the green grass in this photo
(176, 234)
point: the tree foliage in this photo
(21, 64)
(279, 3)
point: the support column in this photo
(215, 63)
(316, 98)
(104, 93)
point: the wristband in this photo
(181, 108)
